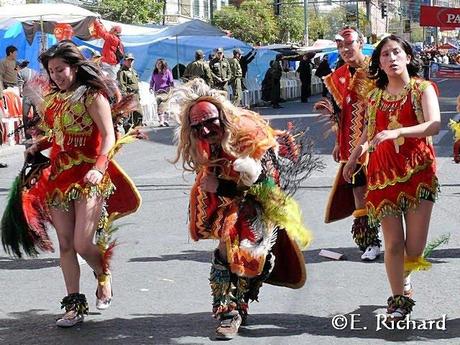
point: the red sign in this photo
(440, 16)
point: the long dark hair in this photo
(376, 73)
(88, 73)
(163, 66)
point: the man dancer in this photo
(237, 200)
(349, 86)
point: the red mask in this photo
(203, 111)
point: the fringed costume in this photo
(75, 143)
(249, 220)
(455, 126)
(349, 87)
(251, 213)
(400, 172)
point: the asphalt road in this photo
(161, 289)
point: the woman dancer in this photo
(403, 114)
(77, 122)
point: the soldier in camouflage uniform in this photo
(237, 77)
(129, 84)
(198, 69)
(220, 68)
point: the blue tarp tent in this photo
(176, 44)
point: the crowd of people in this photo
(383, 115)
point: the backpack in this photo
(120, 52)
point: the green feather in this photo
(13, 226)
(432, 245)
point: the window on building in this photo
(206, 8)
(196, 8)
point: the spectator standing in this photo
(112, 50)
(25, 74)
(322, 71)
(245, 60)
(9, 68)
(129, 85)
(275, 75)
(160, 83)
(304, 71)
(220, 68)
(237, 75)
(198, 69)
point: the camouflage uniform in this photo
(198, 69)
(236, 81)
(129, 84)
(221, 73)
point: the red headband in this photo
(347, 35)
(202, 111)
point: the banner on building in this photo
(440, 16)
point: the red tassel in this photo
(36, 218)
(107, 256)
(457, 151)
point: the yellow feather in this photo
(455, 126)
(417, 264)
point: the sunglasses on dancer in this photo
(210, 126)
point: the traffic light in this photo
(384, 10)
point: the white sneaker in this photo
(69, 319)
(371, 253)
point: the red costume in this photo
(400, 172)
(75, 143)
(349, 93)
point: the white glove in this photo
(249, 170)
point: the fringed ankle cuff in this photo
(76, 302)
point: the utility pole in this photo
(305, 22)
(164, 11)
(368, 19)
(211, 11)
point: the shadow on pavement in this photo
(10, 263)
(311, 256)
(188, 255)
(32, 327)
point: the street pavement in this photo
(160, 276)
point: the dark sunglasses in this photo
(210, 122)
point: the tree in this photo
(252, 22)
(130, 12)
(290, 22)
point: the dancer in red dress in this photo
(402, 115)
(83, 189)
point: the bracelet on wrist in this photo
(101, 164)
